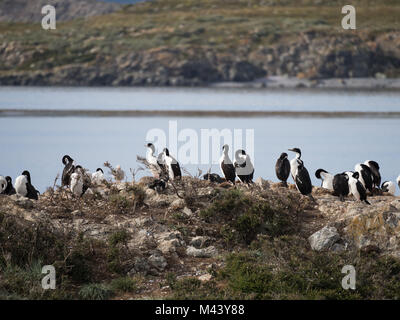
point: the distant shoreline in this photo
(281, 82)
(273, 82)
(16, 113)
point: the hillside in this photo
(30, 11)
(198, 240)
(173, 42)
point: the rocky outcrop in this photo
(324, 239)
(168, 232)
(309, 57)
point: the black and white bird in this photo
(77, 184)
(98, 176)
(293, 162)
(365, 175)
(282, 168)
(340, 185)
(226, 165)
(24, 187)
(389, 187)
(244, 168)
(302, 179)
(213, 177)
(326, 177)
(174, 170)
(357, 189)
(398, 181)
(152, 161)
(69, 168)
(84, 179)
(3, 184)
(9, 189)
(376, 175)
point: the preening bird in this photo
(173, 168)
(226, 165)
(282, 168)
(356, 188)
(98, 176)
(389, 187)
(340, 185)
(376, 175)
(69, 168)
(244, 169)
(326, 177)
(24, 187)
(365, 175)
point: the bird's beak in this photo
(290, 149)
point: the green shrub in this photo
(95, 291)
(243, 217)
(124, 284)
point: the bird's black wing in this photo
(282, 169)
(303, 181)
(66, 175)
(229, 171)
(176, 169)
(32, 192)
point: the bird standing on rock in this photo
(340, 185)
(244, 169)
(282, 168)
(174, 170)
(152, 161)
(98, 176)
(226, 165)
(356, 188)
(68, 170)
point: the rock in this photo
(187, 211)
(201, 253)
(324, 238)
(205, 277)
(168, 247)
(22, 201)
(143, 240)
(177, 205)
(200, 242)
(140, 265)
(157, 261)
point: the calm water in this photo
(37, 144)
(196, 99)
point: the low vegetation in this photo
(260, 236)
